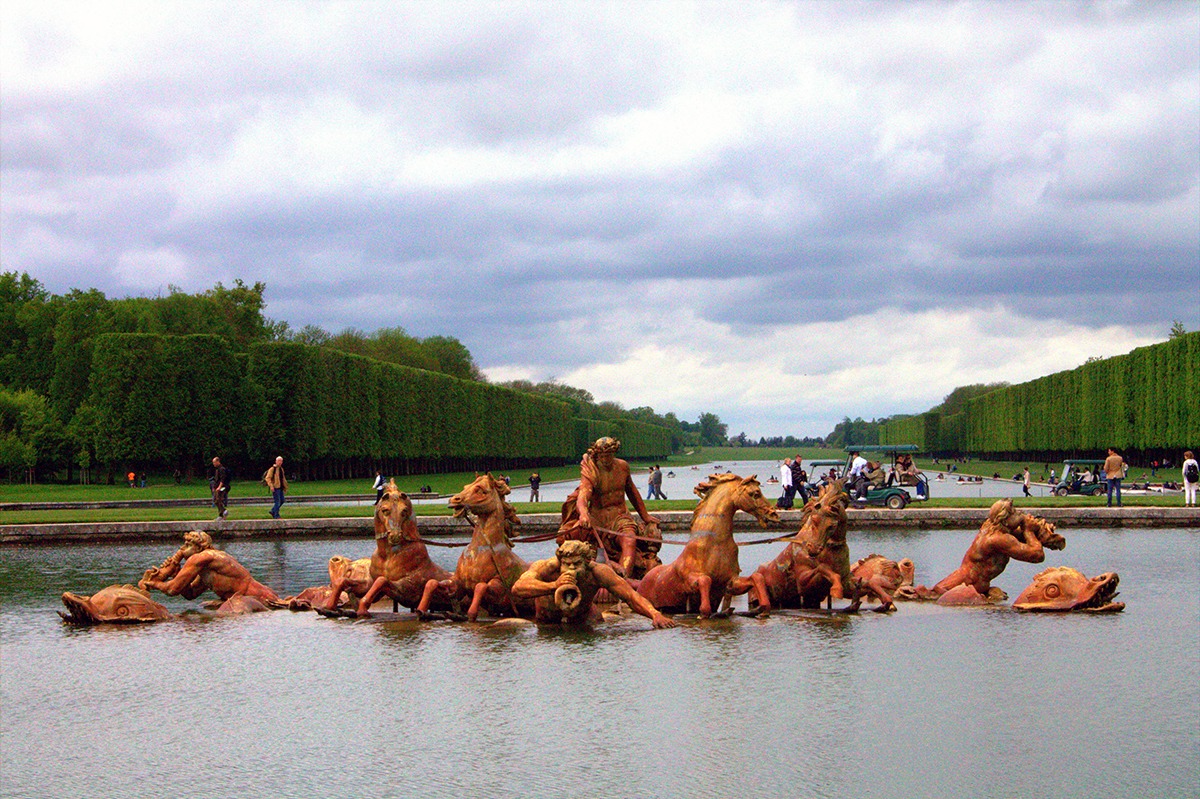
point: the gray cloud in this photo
(528, 178)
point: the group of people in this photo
(904, 471)
(274, 478)
(861, 477)
(654, 487)
(794, 480)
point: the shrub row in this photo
(179, 399)
(638, 439)
(1146, 400)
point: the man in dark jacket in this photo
(800, 479)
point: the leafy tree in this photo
(712, 430)
(1177, 329)
(312, 335)
(452, 357)
(27, 318)
(29, 432)
(394, 345)
(240, 308)
(957, 399)
(854, 432)
(82, 433)
(82, 316)
(351, 341)
(610, 410)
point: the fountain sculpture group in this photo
(814, 567)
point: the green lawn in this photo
(163, 487)
(453, 482)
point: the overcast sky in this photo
(783, 213)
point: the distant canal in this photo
(927, 701)
(678, 482)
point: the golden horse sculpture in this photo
(815, 565)
(708, 564)
(400, 568)
(488, 568)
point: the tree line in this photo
(91, 383)
(1144, 403)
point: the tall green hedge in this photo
(908, 430)
(638, 439)
(161, 399)
(1146, 399)
(181, 399)
(339, 406)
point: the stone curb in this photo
(672, 523)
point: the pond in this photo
(927, 701)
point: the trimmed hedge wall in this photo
(909, 430)
(638, 439)
(1147, 400)
(327, 405)
(175, 400)
(181, 399)
(157, 397)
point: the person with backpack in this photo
(1191, 478)
(276, 480)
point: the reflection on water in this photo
(925, 701)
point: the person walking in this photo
(535, 484)
(220, 487)
(785, 479)
(799, 481)
(657, 477)
(378, 485)
(276, 480)
(654, 484)
(1025, 482)
(1191, 478)
(1114, 471)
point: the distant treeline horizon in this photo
(209, 373)
(200, 366)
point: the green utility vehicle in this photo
(817, 470)
(1074, 482)
(891, 496)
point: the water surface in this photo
(927, 701)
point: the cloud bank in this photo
(780, 212)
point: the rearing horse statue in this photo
(400, 566)
(709, 561)
(488, 567)
(815, 565)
